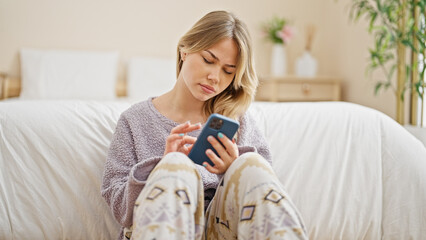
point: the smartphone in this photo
(215, 124)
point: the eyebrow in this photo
(214, 56)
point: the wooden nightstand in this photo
(298, 89)
(3, 85)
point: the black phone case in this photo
(228, 127)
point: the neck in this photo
(183, 100)
(180, 105)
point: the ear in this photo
(183, 55)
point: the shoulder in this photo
(251, 135)
(137, 109)
(143, 117)
(246, 116)
(251, 124)
(247, 120)
(141, 112)
(137, 114)
(247, 124)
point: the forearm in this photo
(122, 187)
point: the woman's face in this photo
(207, 73)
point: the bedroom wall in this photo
(351, 53)
(142, 27)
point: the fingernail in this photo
(198, 124)
(220, 135)
(205, 164)
(181, 134)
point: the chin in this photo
(203, 97)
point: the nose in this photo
(214, 75)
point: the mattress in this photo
(352, 172)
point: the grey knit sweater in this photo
(138, 145)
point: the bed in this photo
(353, 172)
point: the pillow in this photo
(64, 74)
(150, 76)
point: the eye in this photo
(208, 62)
(229, 73)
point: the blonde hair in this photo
(209, 30)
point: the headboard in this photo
(11, 86)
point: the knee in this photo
(250, 159)
(176, 158)
(173, 162)
(172, 156)
(251, 169)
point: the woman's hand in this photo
(226, 156)
(178, 141)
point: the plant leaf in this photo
(377, 88)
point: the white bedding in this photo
(52, 156)
(68, 74)
(353, 172)
(335, 175)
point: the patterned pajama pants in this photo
(249, 203)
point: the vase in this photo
(306, 65)
(278, 61)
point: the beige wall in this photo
(352, 44)
(142, 27)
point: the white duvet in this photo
(352, 172)
(52, 157)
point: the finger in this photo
(188, 140)
(193, 127)
(185, 150)
(186, 127)
(211, 169)
(218, 147)
(225, 140)
(179, 128)
(171, 144)
(230, 146)
(173, 137)
(218, 163)
(190, 147)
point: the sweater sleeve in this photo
(251, 139)
(124, 176)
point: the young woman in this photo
(156, 192)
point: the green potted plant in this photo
(398, 27)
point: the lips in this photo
(207, 89)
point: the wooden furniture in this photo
(3, 85)
(11, 87)
(298, 89)
(285, 89)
